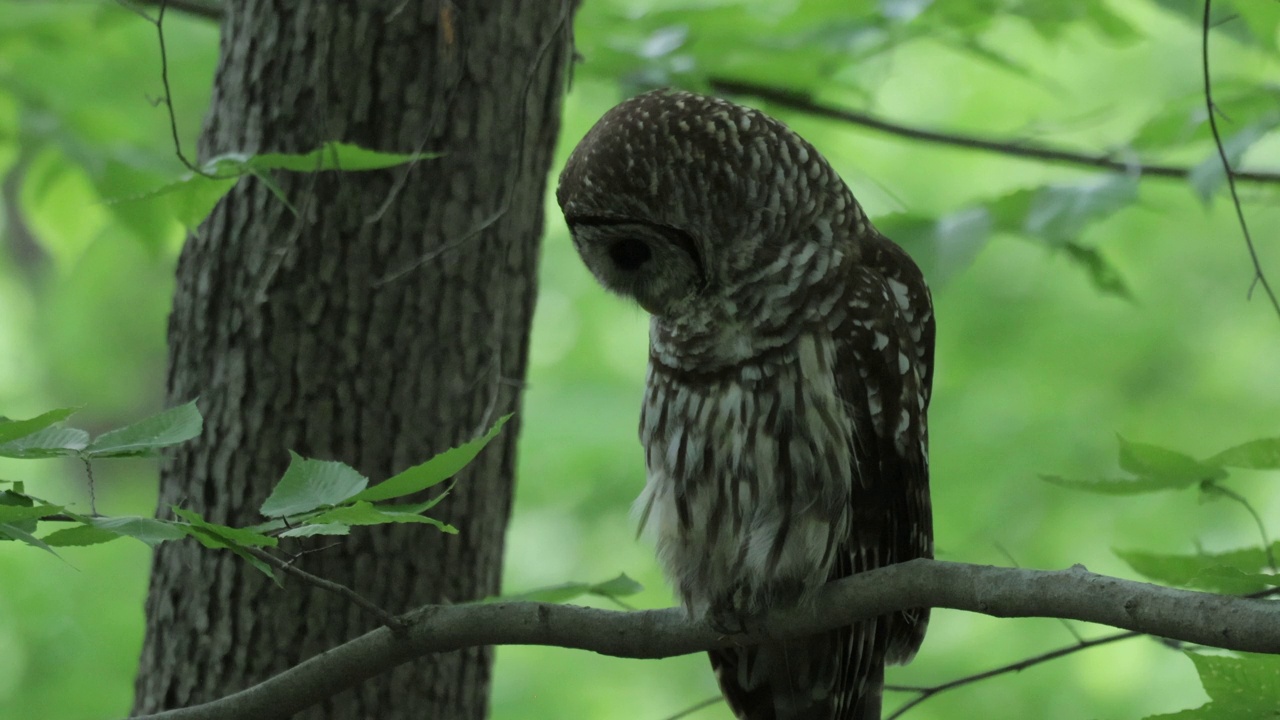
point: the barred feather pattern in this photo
(791, 355)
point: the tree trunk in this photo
(383, 322)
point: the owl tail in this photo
(837, 675)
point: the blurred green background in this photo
(1041, 358)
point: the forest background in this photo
(1074, 304)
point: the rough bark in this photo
(385, 321)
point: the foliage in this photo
(1038, 360)
(314, 497)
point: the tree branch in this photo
(803, 103)
(1234, 623)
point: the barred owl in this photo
(790, 368)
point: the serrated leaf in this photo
(222, 535)
(364, 513)
(16, 533)
(317, 529)
(432, 472)
(14, 429)
(1114, 486)
(312, 484)
(1155, 462)
(18, 513)
(334, 156)
(80, 536)
(1206, 571)
(46, 443)
(149, 435)
(1223, 579)
(1260, 454)
(621, 586)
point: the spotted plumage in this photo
(790, 366)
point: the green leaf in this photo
(1154, 462)
(1104, 276)
(621, 586)
(46, 443)
(14, 429)
(432, 472)
(16, 533)
(317, 529)
(19, 513)
(1208, 176)
(1240, 686)
(1224, 572)
(214, 535)
(1115, 486)
(363, 513)
(312, 484)
(1060, 213)
(148, 530)
(80, 536)
(148, 436)
(1261, 454)
(334, 156)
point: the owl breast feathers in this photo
(790, 367)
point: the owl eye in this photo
(630, 254)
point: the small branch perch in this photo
(1233, 623)
(1030, 151)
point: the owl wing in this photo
(884, 367)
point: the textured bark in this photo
(384, 322)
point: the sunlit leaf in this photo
(1152, 461)
(312, 484)
(14, 429)
(14, 532)
(148, 530)
(46, 443)
(16, 514)
(149, 435)
(434, 471)
(1261, 454)
(364, 513)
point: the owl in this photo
(790, 369)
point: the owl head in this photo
(673, 197)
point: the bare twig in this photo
(1235, 623)
(928, 692)
(701, 705)
(393, 623)
(803, 103)
(1259, 277)
(1212, 487)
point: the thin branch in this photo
(395, 624)
(803, 103)
(1234, 623)
(1212, 487)
(702, 705)
(1019, 666)
(1259, 278)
